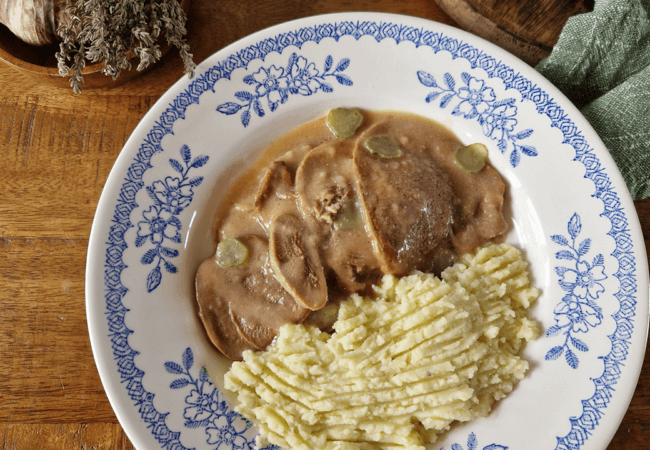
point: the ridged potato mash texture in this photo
(400, 368)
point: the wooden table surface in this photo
(56, 151)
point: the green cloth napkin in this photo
(602, 64)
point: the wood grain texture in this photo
(64, 436)
(47, 366)
(535, 21)
(526, 28)
(56, 151)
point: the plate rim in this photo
(97, 246)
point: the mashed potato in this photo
(400, 368)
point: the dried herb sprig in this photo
(107, 29)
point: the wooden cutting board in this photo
(527, 28)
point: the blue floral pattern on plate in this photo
(593, 408)
(578, 311)
(277, 83)
(161, 223)
(206, 409)
(472, 444)
(478, 101)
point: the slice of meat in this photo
(295, 260)
(408, 205)
(217, 322)
(480, 217)
(276, 180)
(349, 254)
(275, 194)
(243, 308)
(326, 188)
(325, 180)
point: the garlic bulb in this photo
(34, 21)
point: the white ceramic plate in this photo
(570, 209)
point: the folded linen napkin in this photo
(602, 64)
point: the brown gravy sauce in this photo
(326, 218)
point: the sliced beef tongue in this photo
(408, 204)
(244, 307)
(479, 196)
(275, 194)
(338, 215)
(294, 257)
(326, 190)
(325, 180)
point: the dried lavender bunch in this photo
(106, 29)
